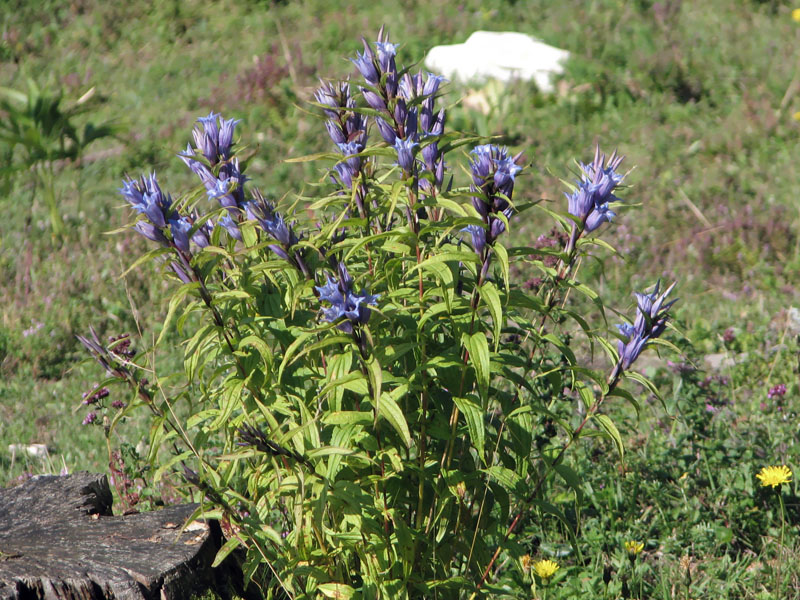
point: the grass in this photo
(699, 96)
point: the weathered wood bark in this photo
(59, 540)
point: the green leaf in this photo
(174, 302)
(502, 257)
(389, 410)
(478, 349)
(343, 417)
(506, 477)
(338, 591)
(473, 415)
(226, 549)
(611, 432)
(492, 299)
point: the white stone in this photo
(499, 55)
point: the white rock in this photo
(499, 55)
(35, 450)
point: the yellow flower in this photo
(633, 547)
(796, 14)
(796, 116)
(545, 568)
(774, 476)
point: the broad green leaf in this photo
(226, 549)
(492, 299)
(389, 410)
(473, 415)
(611, 432)
(478, 349)
(338, 591)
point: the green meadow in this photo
(702, 98)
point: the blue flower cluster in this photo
(493, 174)
(345, 305)
(260, 210)
(408, 119)
(590, 201)
(348, 130)
(212, 160)
(650, 323)
(212, 153)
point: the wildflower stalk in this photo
(650, 322)
(778, 580)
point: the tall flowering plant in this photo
(370, 403)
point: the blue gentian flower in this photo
(180, 228)
(478, 235)
(599, 215)
(231, 226)
(405, 153)
(589, 201)
(365, 63)
(651, 321)
(344, 302)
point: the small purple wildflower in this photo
(777, 391)
(90, 418)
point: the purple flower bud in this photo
(206, 145)
(151, 232)
(90, 418)
(601, 214)
(432, 84)
(180, 272)
(226, 137)
(352, 161)
(438, 173)
(386, 53)
(202, 237)
(198, 168)
(231, 226)
(335, 96)
(480, 205)
(180, 228)
(335, 132)
(210, 125)
(345, 176)
(373, 99)
(400, 111)
(496, 228)
(478, 235)
(387, 131)
(118, 404)
(366, 67)
(429, 154)
(405, 153)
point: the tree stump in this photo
(60, 541)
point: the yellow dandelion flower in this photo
(796, 116)
(545, 568)
(774, 476)
(796, 14)
(633, 547)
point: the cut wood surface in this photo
(59, 540)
